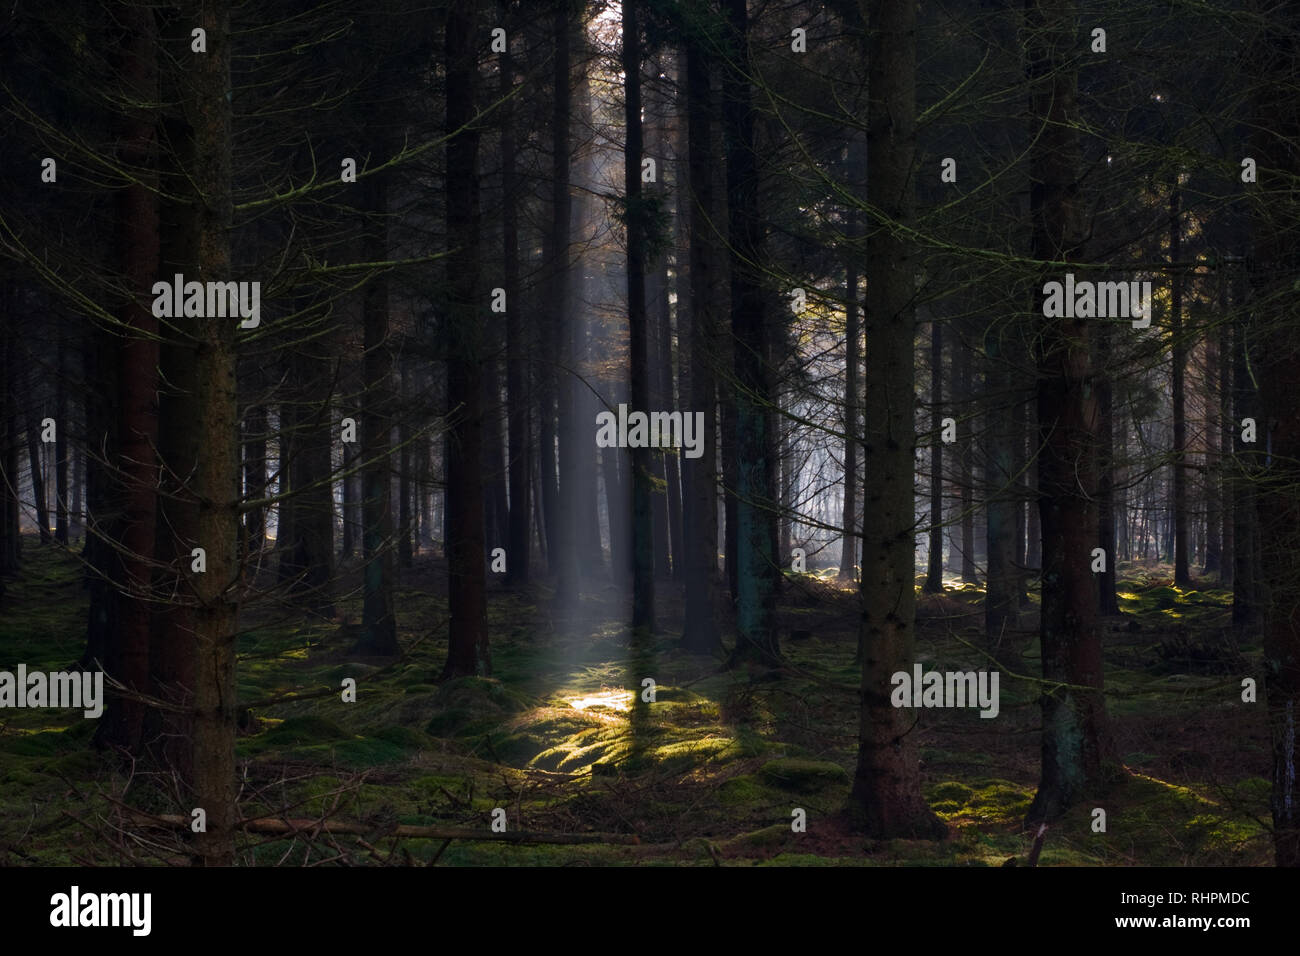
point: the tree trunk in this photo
(700, 495)
(660, 398)
(312, 545)
(567, 504)
(1227, 429)
(852, 355)
(1076, 748)
(643, 585)
(1001, 604)
(968, 573)
(255, 430)
(378, 621)
(61, 443)
(134, 478)
(886, 797)
(934, 571)
(215, 483)
(1274, 131)
(405, 552)
(1107, 602)
(1182, 570)
(468, 652)
(755, 512)
(10, 531)
(1245, 532)
(518, 422)
(1213, 426)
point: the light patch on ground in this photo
(617, 699)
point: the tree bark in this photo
(378, 620)
(755, 506)
(934, 571)
(1182, 569)
(134, 478)
(643, 584)
(518, 421)
(886, 798)
(852, 398)
(468, 652)
(700, 494)
(1076, 747)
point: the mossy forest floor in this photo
(708, 775)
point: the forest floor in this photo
(709, 774)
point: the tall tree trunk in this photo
(35, 468)
(968, 573)
(77, 518)
(660, 398)
(378, 620)
(755, 512)
(134, 477)
(1213, 427)
(518, 422)
(934, 571)
(1182, 570)
(1227, 430)
(405, 552)
(643, 585)
(667, 399)
(10, 533)
(1001, 604)
(312, 544)
(351, 502)
(1245, 532)
(1107, 602)
(1076, 747)
(255, 430)
(61, 443)
(886, 796)
(468, 652)
(215, 482)
(494, 456)
(286, 524)
(99, 361)
(565, 507)
(700, 495)
(1276, 261)
(852, 397)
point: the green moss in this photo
(45, 744)
(79, 765)
(796, 774)
(408, 738)
(983, 800)
(742, 790)
(473, 705)
(304, 730)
